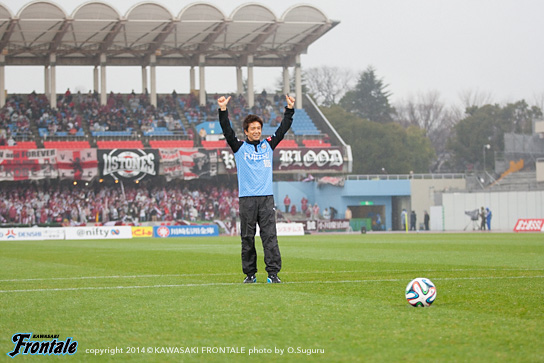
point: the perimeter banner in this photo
(31, 234)
(186, 231)
(113, 232)
(529, 225)
(28, 164)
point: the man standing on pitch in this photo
(254, 163)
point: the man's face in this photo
(253, 131)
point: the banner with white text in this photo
(133, 164)
(31, 234)
(306, 159)
(207, 230)
(35, 164)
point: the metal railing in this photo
(405, 176)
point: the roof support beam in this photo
(2, 81)
(7, 35)
(209, 40)
(154, 47)
(312, 37)
(265, 34)
(108, 40)
(57, 39)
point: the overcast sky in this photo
(494, 47)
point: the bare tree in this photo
(429, 113)
(538, 100)
(328, 84)
(471, 98)
(425, 111)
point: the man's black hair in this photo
(250, 119)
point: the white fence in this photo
(506, 208)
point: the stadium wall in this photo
(427, 192)
(506, 208)
(352, 193)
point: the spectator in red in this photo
(286, 203)
(293, 210)
(303, 204)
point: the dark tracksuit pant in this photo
(261, 211)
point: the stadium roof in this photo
(42, 28)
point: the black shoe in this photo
(250, 279)
(273, 279)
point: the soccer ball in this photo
(420, 292)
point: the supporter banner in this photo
(34, 233)
(188, 163)
(308, 159)
(331, 180)
(529, 225)
(135, 164)
(330, 159)
(77, 164)
(138, 232)
(186, 231)
(113, 232)
(28, 164)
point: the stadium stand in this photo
(303, 124)
(129, 121)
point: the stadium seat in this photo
(112, 133)
(21, 145)
(119, 144)
(315, 143)
(287, 144)
(219, 144)
(172, 144)
(159, 131)
(66, 144)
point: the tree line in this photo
(421, 134)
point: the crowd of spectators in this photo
(15, 118)
(66, 204)
(127, 113)
(120, 113)
(62, 120)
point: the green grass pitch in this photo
(342, 299)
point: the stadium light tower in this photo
(486, 146)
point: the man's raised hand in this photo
(222, 102)
(290, 101)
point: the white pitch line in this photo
(235, 273)
(152, 276)
(238, 283)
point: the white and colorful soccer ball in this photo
(420, 292)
